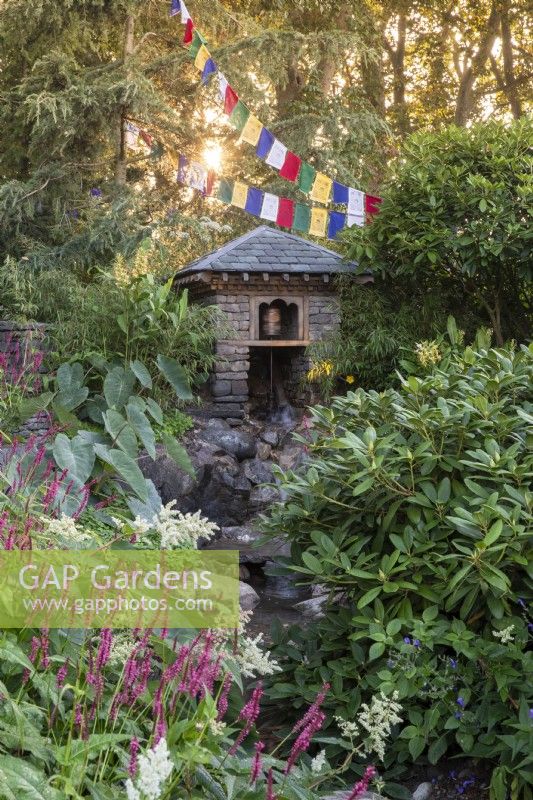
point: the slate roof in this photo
(266, 249)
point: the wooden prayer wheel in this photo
(272, 321)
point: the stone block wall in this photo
(324, 315)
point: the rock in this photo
(244, 573)
(270, 437)
(236, 442)
(263, 496)
(423, 792)
(312, 608)
(258, 471)
(248, 597)
(291, 456)
(264, 451)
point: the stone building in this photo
(278, 294)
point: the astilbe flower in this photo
(361, 786)
(155, 767)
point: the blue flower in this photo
(458, 715)
(461, 702)
(531, 713)
(521, 602)
(407, 640)
(453, 663)
(96, 192)
(416, 642)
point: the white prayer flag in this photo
(355, 219)
(356, 202)
(269, 209)
(185, 16)
(196, 176)
(132, 136)
(222, 86)
(276, 157)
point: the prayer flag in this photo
(211, 176)
(277, 154)
(182, 169)
(202, 57)
(222, 86)
(291, 166)
(302, 218)
(131, 135)
(266, 140)
(306, 178)
(321, 188)
(355, 219)
(185, 16)
(197, 42)
(269, 209)
(230, 100)
(240, 192)
(225, 190)
(340, 193)
(252, 130)
(188, 35)
(285, 212)
(239, 116)
(356, 202)
(372, 204)
(336, 223)
(174, 8)
(208, 70)
(254, 201)
(319, 219)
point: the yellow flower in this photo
(350, 379)
(322, 369)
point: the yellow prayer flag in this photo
(201, 57)
(321, 188)
(319, 221)
(240, 194)
(252, 130)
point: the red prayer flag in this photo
(189, 28)
(372, 204)
(211, 175)
(230, 100)
(285, 212)
(291, 166)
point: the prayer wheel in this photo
(272, 322)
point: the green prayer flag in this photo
(306, 178)
(302, 218)
(197, 41)
(239, 116)
(225, 190)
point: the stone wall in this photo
(15, 338)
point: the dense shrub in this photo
(414, 513)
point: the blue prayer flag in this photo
(208, 69)
(175, 8)
(182, 169)
(336, 223)
(254, 201)
(340, 193)
(266, 140)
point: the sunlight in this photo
(213, 156)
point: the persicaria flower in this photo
(361, 786)
(256, 762)
(308, 716)
(304, 739)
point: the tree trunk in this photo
(397, 60)
(121, 161)
(287, 93)
(508, 62)
(470, 73)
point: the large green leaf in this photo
(74, 455)
(178, 454)
(20, 780)
(118, 386)
(141, 373)
(72, 393)
(126, 467)
(121, 432)
(176, 376)
(142, 427)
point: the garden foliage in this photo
(414, 514)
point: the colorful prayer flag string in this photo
(318, 186)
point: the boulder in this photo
(312, 608)
(423, 792)
(270, 437)
(258, 471)
(248, 597)
(246, 540)
(264, 451)
(238, 443)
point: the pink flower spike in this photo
(134, 751)
(256, 762)
(361, 786)
(312, 709)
